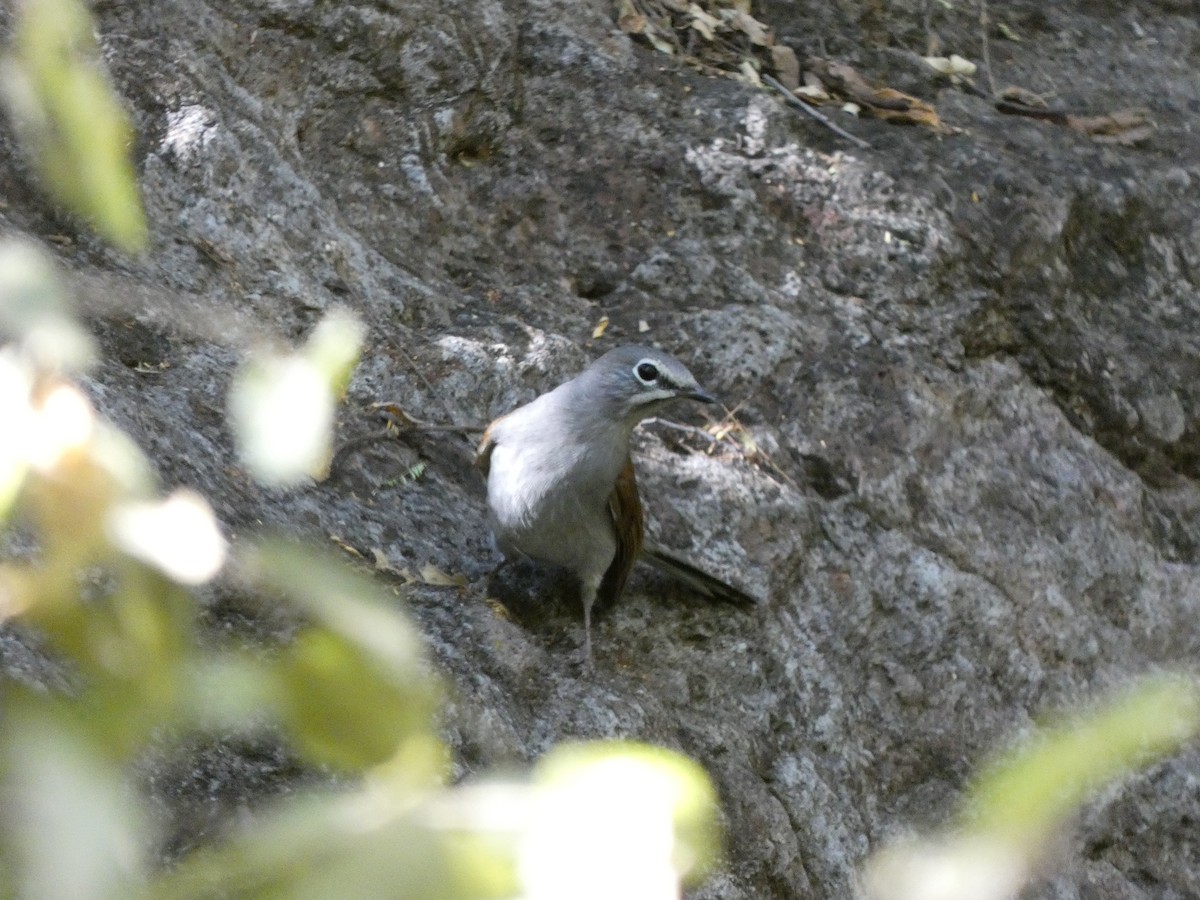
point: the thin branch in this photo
(686, 429)
(404, 423)
(799, 104)
(451, 429)
(984, 22)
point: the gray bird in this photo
(561, 488)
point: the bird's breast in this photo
(549, 500)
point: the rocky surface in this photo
(969, 362)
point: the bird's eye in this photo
(646, 371)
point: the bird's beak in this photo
(698, 395)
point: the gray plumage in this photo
(560, 481)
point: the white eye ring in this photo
(646, 371)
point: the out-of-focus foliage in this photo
(69, 118)
(673, 832)
(351, 692)
(282, 404)
(1027, 796)
(354, 689)
(36, 310)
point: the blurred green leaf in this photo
(42, 419)
(357, 688)
(129, 647)
(1025, 795)
(281, 410)
(345, 709)
(69, 120)
(178, 535)
(68, 817)
(654, 810)
(347, 602)
(368, 845)
(281, 405)
(16, 385)
(958, 867)
(81, 468)
(229, 691)
(1023, 799)
(334, 347)
(35, 312)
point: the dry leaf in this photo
(344, 545)
(659, 43)
(1020, 95)
(884, 103)
(431, 574)
(396, 416)
(731, 37)
(787, 67)
(758, 33)
(629, 19)
(704, 23)
(1007, 33)
(381, 562)
(601, 327)
(750, 73)
(922, 114)
(953, 66)
(1125, 126)
(499, 609)
(813, 90)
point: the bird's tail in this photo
(708, 585)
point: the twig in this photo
(795, 101)
(984, 22)
(687, 429)
(403, 422)
(452, 429)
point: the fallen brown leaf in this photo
(629, 19)
(1125, 126)
(758, 33)
(432, 575)
(344, 545)
(842, 82)
(381, 563)
(787, 66)
(732, 43)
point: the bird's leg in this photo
(587, 594)
(587, 637)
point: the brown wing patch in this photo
(625, 506)
(483, 453)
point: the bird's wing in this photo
(625, 507)
(483, 453)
